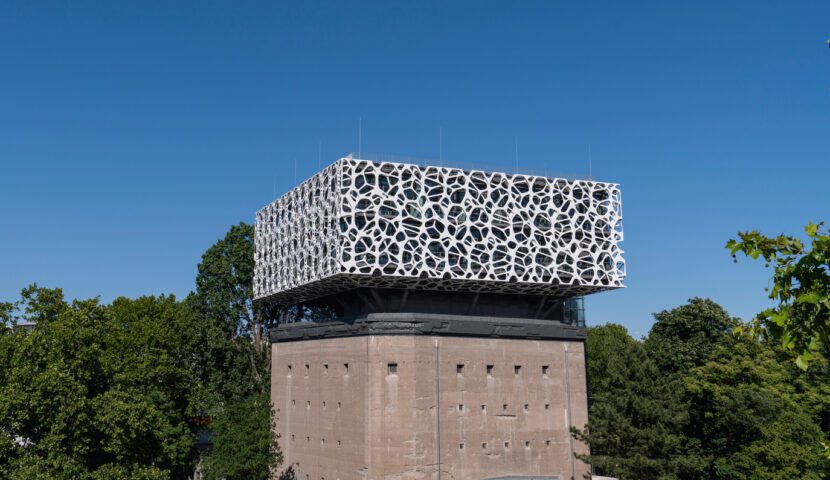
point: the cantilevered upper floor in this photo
(361, 223)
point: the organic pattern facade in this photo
(363, 223)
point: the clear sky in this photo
(133, 134)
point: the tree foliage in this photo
(236, 361)
(94, 391)
(244, 450)
(800, 287)
(636, 413)
(124, 390)
(694, 401)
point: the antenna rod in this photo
(590, 161)
(516, 147)
(360, 137)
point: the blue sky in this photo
(133, 134)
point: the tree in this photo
(800, 286)
(236, 360)
(121, 391)
(750, 421)
(636, 413)
(693, 401)
(94, 391)
(225, 283)
(687, 336)
(245, 450)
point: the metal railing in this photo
(467, 166)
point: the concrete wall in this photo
(370, 423)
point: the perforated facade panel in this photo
(363, 223)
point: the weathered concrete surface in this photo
(373, 421)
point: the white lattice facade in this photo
(363, 223)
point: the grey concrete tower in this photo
(433, 325)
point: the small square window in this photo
(289, 370)
(461, 446)
(325, 368)
(517, 369)
(483, 445)
(324, 404)
(338, 443)
(547, 443)
(322, 441)
(308, 439)
(547, 406)
(506, 445)
(545, 370)
(293, 403)
(292, 437)
(338, 406)
(459, 369)
(527, 407)
(504, 407)
(483, 407)
(527, 444)
(308, 404)
(306, 370)
(346, 368)
(489, 370)
(392, 368)
(460, 407)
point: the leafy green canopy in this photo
(800, 286)
(636, 415)
(125, 390)
(693, 401)
(235, 358)
(96, 392)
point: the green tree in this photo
(800, 287)
(693, 401)
(96, 392)
(749, 419)
(245, 449)
(235, 360)
(636, 413)
(687, 336)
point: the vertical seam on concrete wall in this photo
(568, 406)
(437, 408)
(367, 399)
(587, 396)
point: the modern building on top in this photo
(434, 325)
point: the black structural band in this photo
(430, 324)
